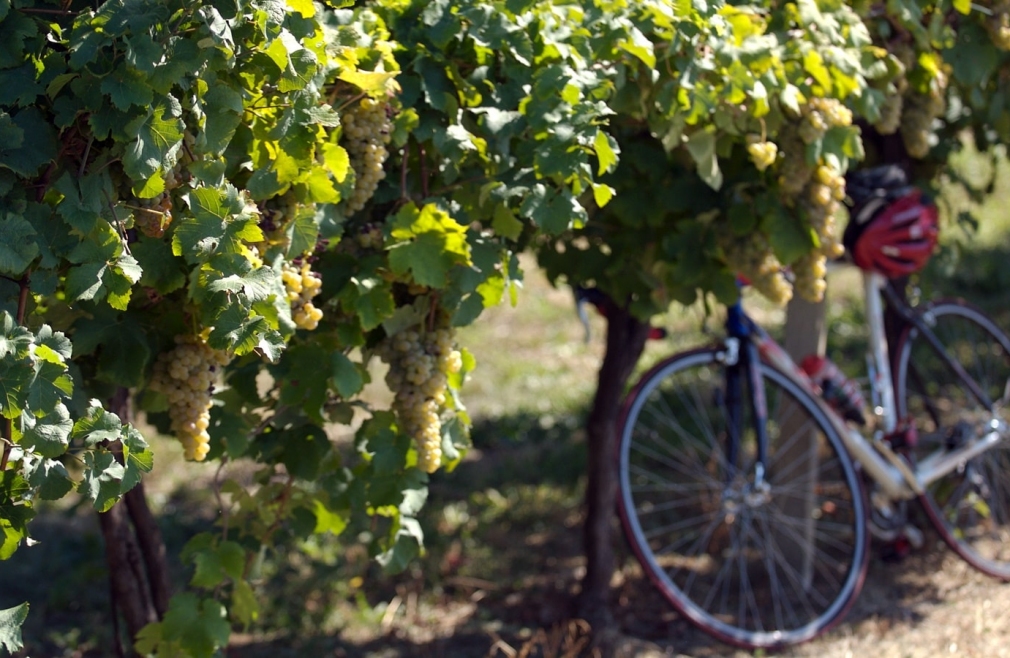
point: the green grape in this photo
(302, 284)
(420, 362)
(366, 133)
(186, 375)
(890, 115)
(998, 25)
(762, 153)
(809, 272)
(752, 258)
(793, 170)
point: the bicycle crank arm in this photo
(936, 466)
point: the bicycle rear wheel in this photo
(754, 565)
(970, 506)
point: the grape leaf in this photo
(327, 521)
(36, 147)
(50, 478)
(200, 627)
(345, 375)
(48, 436)
(102, 479)
(223, 108)
(127, 87)
(137, 455)
(97, 425)
(82, 202)
(17, 245)
(11, 620)
(156, 137)
(85, 281)
(18, 86)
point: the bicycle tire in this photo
(970, 506)
(690, 530)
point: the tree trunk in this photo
(134, 550)
(126, 571)
(626, 338)
(152, 548)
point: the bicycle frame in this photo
(748, 343)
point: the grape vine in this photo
(226, 213)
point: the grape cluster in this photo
(820, 114)
(152, 217)
(186, 376)
(890, 114)
(752, 258)
(370, 236)
(998, 25)
(419, 365)
(302, 284)
(815, 190)
(762, 153)
(912, 111)
(366, 131)
(918, 113)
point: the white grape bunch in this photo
(185, 376)
(751, 256)
(301, 285)
(420, 362)
(366, 133)
(814, 191)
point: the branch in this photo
(424, 173)
(225, 513)
(84, 160)
(119, 224)
(50, 12)
(282, 504)
(405, 153)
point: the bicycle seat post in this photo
(882, 383)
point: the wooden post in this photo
(805, 334)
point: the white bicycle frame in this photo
(896, 478)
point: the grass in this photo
(502, 531)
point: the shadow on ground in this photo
(503, 562)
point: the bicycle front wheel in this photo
(969, 506)
(756, 560)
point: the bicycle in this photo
(749, 500)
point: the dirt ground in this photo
(929, 604)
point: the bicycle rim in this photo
(753, 568)
(970, 506)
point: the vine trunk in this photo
(626, 336)
(135, 553)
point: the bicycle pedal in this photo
(914, 536)
(896, 550)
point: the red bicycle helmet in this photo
(896, 235)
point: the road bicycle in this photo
(749, 500)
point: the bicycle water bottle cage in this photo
(893, 226)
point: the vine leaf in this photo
(17, 245)
(11, 620)
(198, 627)
(49, 476)
(127, 88)
(14, 513)
(137, 456)
(157, 136)
(430, 242)
(37, 144)
(48, 436)
(102, 479)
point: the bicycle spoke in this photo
(720, 543)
